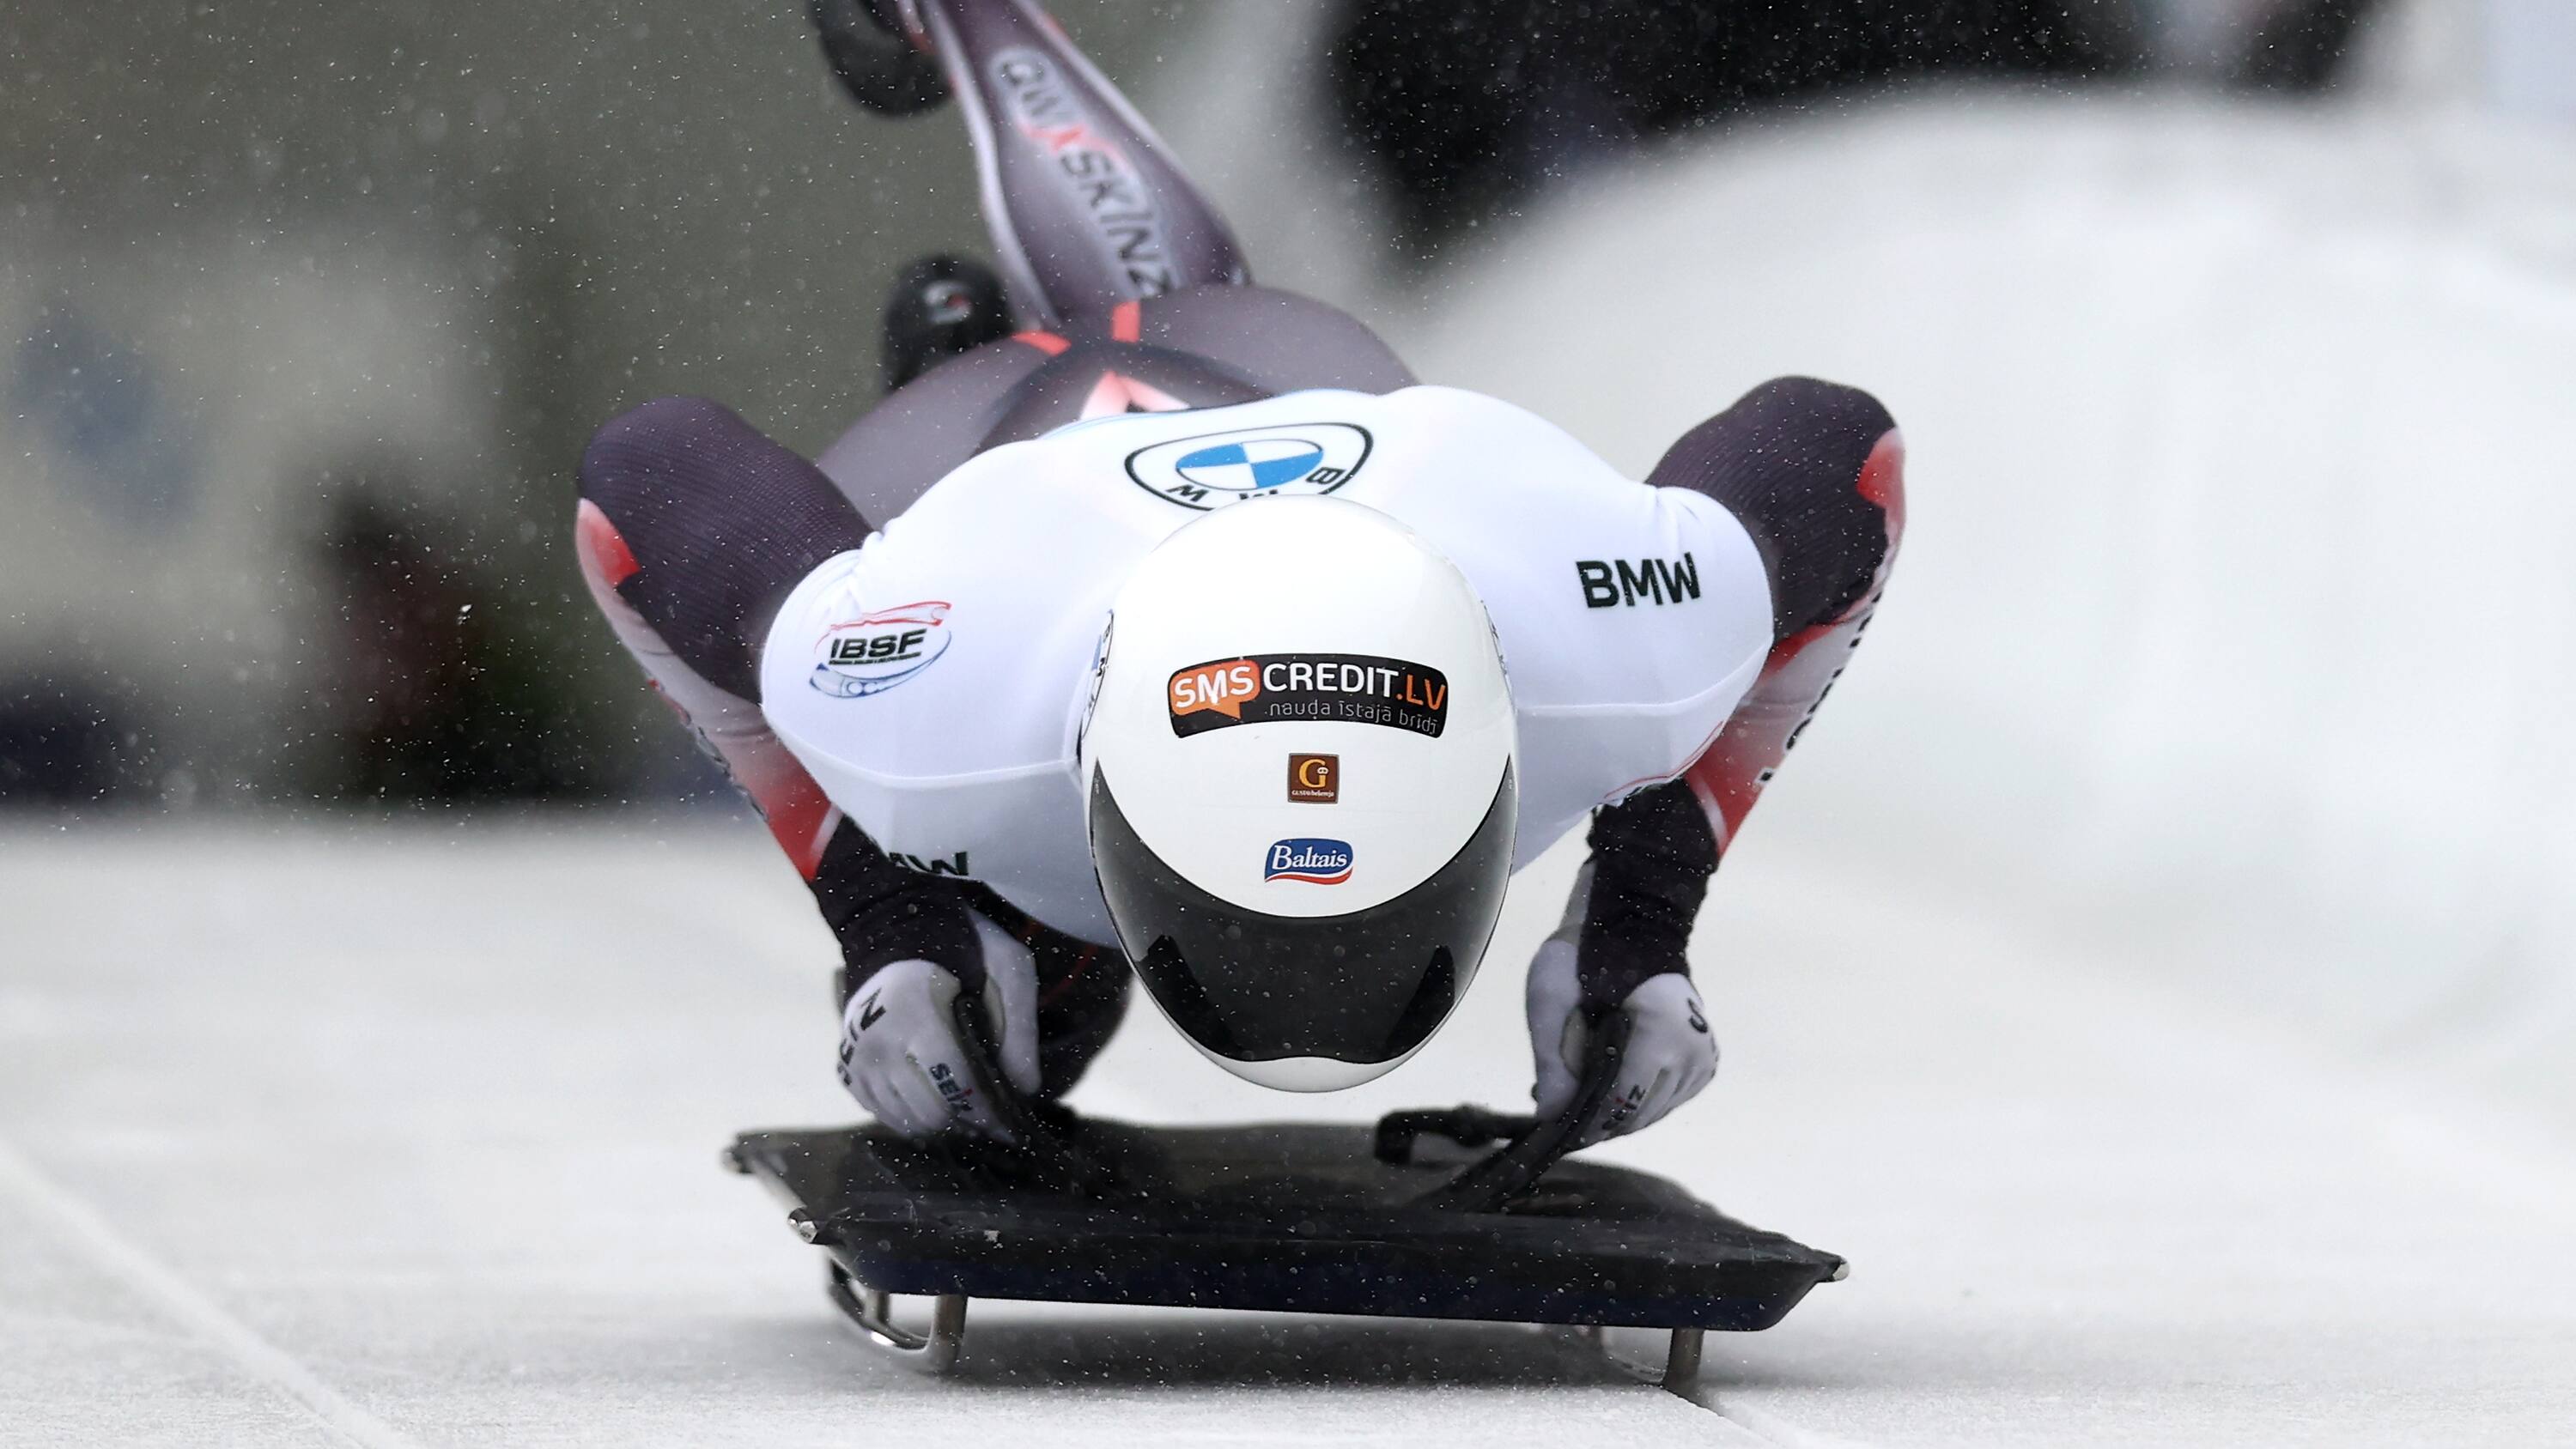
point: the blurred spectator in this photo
(64, 742)
(1463, 105)
(431, 693)
(253, 253)
(2296, 45)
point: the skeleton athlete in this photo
(1159, 624)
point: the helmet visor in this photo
(1368, 986)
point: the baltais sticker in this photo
(1321, 688)
(1314, 861)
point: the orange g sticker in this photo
(1315, 779)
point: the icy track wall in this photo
(2235, 618)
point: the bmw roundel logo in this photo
(1214, 469)
(1250, 467)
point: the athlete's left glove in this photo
(900, 1052)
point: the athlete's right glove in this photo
(1623, 948)
(900, 1052)
(1670, 1055)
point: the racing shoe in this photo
(877, 63)
(939, 308)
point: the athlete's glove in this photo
(1671, 1053)
(900, 1053)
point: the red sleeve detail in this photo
(1046, 342)
(800, 818)
(1127, 321)
(1882, 480)
(604, 554)
(801, 821)
(1728, 777)
(799, 815)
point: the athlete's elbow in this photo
(1827, 406)
(644, 441)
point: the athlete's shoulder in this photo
(1610, 594)
(1510, 468)
(945, 648)
(1438, 403)
(1432, 410)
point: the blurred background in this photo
(2234, 338)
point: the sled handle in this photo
(1468, 1126)
(1035, 1144)
(1510, 1171)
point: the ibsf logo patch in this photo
(879, 650)
(1314, 861)
(1211, 470)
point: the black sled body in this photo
(1283, 1218)
(1278, 1217)
(1404, 1220)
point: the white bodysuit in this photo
(933, 680)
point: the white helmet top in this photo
(1299, 767)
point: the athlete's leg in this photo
(1132, 289)
(1087, 207)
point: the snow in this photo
(432, 1120)
(2233, 613)
(347, 1135)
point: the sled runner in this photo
(1403, 1220)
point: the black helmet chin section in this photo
(1364, 987)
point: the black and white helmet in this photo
(1299, 767)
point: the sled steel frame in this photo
(936, 1352)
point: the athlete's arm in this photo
(692, 530)
(882, 913)
(1814, 472)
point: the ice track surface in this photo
(347, 1135)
